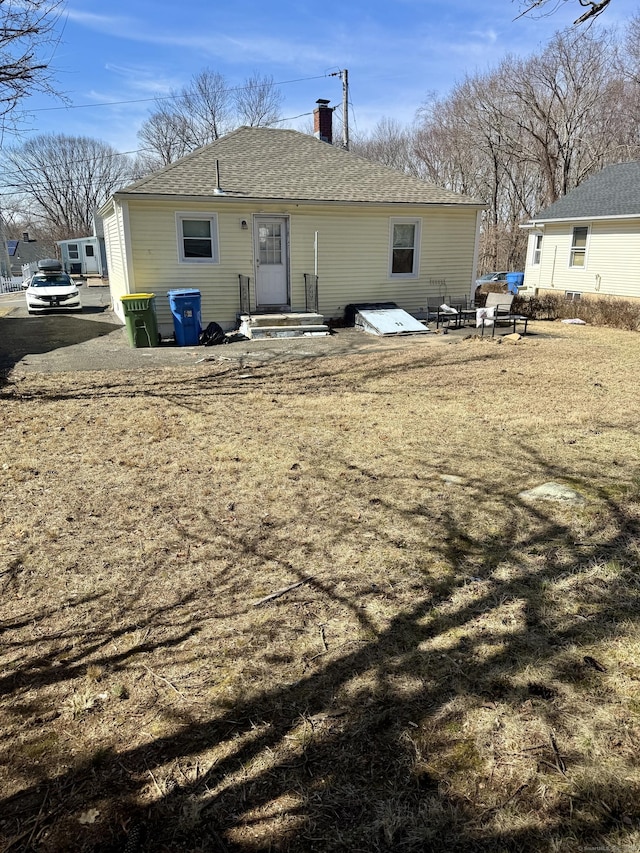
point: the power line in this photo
(172, 97)
(48, 185)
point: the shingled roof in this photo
(615, 191)
(273, 164)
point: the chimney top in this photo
(322, 121)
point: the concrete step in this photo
(299, 331)
(282, 319)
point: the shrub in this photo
(601, 311)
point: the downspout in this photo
(315, 254)
(121, 211)
(476, 252)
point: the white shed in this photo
(84, 256)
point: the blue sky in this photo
(396, 53)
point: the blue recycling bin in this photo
(514, 281)
(187, 316)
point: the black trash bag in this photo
(212, 336)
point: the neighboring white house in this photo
(83, 256)
(588, 242)
(252, 218)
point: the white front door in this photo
(90, 260)
(272, 261)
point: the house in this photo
(266, 220)
(24, 252)
(84, 256)
(588, 242)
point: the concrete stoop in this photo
(289, 325)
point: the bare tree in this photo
(27, 28)
(165, 138)
(389, 143)
(203, 111)
(65, 179)
(257, 101)
(632, 46)
(592, 8)
(205, 108)
(527, 132)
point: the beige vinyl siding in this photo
(154, 252)
(114, 248)
(612, 264)
(531, 270)
(353, 254)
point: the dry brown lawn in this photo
(460, 670)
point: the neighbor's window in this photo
(72, 248)
(537, 250)
(197, 238)
(405, 247)
(579, 246)
(572, 295)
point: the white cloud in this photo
(225, 46)
(144, 79)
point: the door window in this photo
(270, 243)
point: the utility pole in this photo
(344, 76)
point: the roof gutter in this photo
(540, 223)
(230, 199)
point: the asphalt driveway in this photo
(96, 340)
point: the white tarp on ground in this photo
(388, 321)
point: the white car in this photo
(52, 291)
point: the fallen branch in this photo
(30, 831)
(594, 664)
(283, 591)
(560, 765)
(508, 800)
(155, 782)
(166, 681)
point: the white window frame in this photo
(536, 254)
(406, 220)
(75, 249)
(197, 215)
(583, 252)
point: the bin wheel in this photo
(159, 338)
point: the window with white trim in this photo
(578, 255)
(572, 295)
(404, 252)
(72, 249)
(197, 238)
(537, 250)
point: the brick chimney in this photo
(322, 121)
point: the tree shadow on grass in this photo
(448, 726)
(368, 750)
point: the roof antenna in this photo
(218, 189)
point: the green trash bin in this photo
(140, 318)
